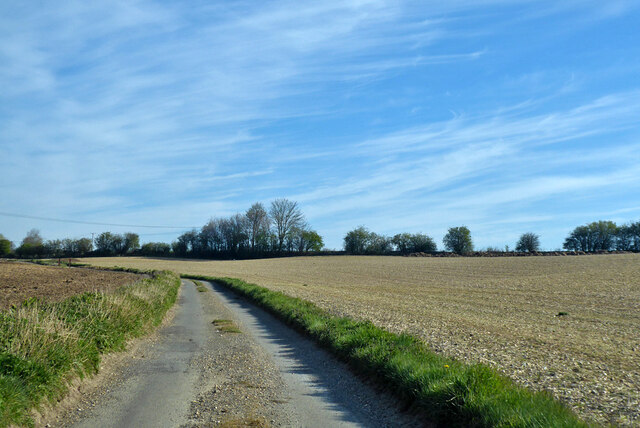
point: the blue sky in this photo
(504, 116)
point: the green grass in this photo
(448, 392)
(43, 346)
(200, 287)
(54, 262)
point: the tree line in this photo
(363, 241)
(257, 232)
(604, 236)
(596, 236)
(34, 246)
(282, 228)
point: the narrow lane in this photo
(261, 373)
(156, 390)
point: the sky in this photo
(402, 116)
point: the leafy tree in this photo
(117, 244)
(107, 243)
(596, 236)
(286, 216)
(30, 250)
(414, 243)
(155, 249)
(179, 247)
(265, 241)
(311, 240)
(54, 248)
(403, 243)
(357, 240)
(421, 243)
(32, 245)
(579, 240)
(131, 242)
(528, 243)
(83, 246)
(634, 231)
(628, 237)
(363, 241)
(188, 242)
(458, 240)
(69, 246)
(76, 247)
(379, 244)
(5, 246)
(604, 233)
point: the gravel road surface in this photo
(224, 362)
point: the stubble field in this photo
(568, 325)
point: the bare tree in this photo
(258, 222)
(240, 231)
(33, 238)
(286, 217)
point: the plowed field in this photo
(20, 281)
(568, 325)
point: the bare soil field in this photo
(568, 325)
(20, 281)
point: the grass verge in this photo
(43, 346)
(450, 393)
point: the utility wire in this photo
(92, 222)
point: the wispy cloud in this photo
(365, 111)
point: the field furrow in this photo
(569, 325)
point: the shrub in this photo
(414, 243)
(528, 243)
(421, 243)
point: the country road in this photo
(223, 362)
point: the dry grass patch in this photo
(499, 311)
(226, 326)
